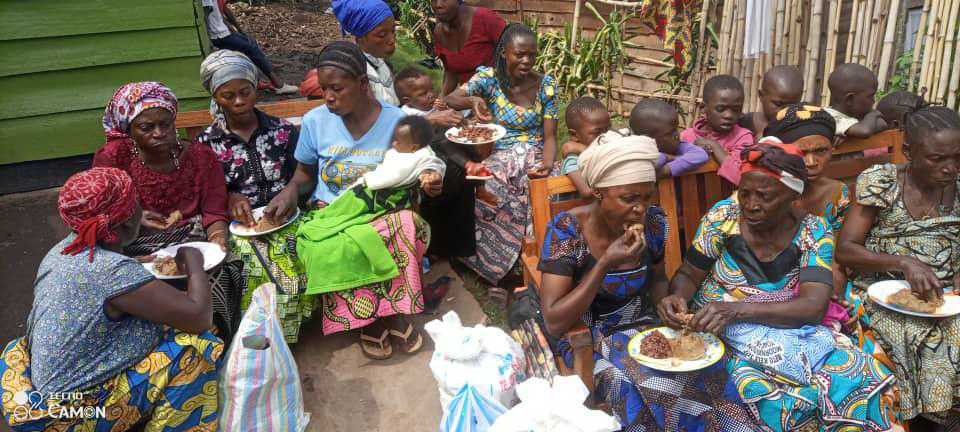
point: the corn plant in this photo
(416, 22)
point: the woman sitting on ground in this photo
(179, 185)
(599, 270)
(339, 142)
(101, 325)
(759, 275)
(256, 152)
(525, 102)
(463, 40)
(904, 224)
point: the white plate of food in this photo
(163, 266)
(262, 226)
(895, 295)
(483, 133)
(665, 349)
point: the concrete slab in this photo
(345, 391)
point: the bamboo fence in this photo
(818, 35)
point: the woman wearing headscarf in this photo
(339, 142)
(602, 266)
(256, 152)
(464, 39)
(180, 185)
(811, 130)
(525, 103)
(372, 24)
(904, 224)
(136, 350)
(758, 273)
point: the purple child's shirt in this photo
(689, 159)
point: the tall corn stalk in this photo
(416, 22)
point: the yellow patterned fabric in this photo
(174, 388)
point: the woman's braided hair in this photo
(899, 103)
(345, 56)
(510, 33)
(924, 120)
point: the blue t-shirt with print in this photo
(340, 159)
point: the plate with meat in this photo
(483, 133)
(670, 350)
(896, 295)
(261, 225)
(162, 265)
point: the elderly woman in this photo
(256, 152)
(524, 102)
(759, 274)
(339, 142)
(134, 348)
(598, 271)
(905, 224)
(811, 130)
(179, 185)
(464, 39)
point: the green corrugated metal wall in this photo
(61, 60)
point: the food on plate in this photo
(264, 224)
(174, 218)
(687, 347)
(655, 345)
(906, 299)
(474, 134)
(166, 266)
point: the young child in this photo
(410, 159)
(852, 91)
(661, 121)
(781, 86)
(415, 91)
(894, 106)
(587, 118)
(717, 132)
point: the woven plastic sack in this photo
(470, 411)
(260, 385)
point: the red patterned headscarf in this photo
(132, 99)
(781, 161)
(93, 203)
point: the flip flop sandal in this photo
(369, 345)
(405, 343)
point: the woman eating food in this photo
(759, 275)
(525, 103)
(136, 349)
(180, 185)
(255, 151)
(464, 39)
(602, 265)
(904, 224)
(339, 142)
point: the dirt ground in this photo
(290, 33)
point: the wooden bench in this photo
(195, 122)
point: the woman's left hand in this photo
(539, 171)
(715, 316)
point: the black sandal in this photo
(405, 339)
(369, 346)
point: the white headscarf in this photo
(224, 66)
(617, 161)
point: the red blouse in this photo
(198, 187)
(477, 49)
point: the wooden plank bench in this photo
(195, 122)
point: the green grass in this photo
(407, 54)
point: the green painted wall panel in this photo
(60, 135)
(26, 19)
(71, 52)
(81, 89)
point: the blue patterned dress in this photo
(841, 387)
(500, 228)
(643, 399)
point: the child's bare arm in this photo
(573, 147)
(871, 124)
(582, 188)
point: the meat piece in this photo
(264, 224)
(655, 345)
(166, 266)
(908, 300)
(688, 347)
(474, 134)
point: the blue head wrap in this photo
(359, 17)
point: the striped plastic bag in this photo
(470, 411)
(260, 385)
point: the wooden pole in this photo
(952, 47)
(876, 33)
(702, 54)
(918, 43)
(788, 32)
(955, 80)
(943, 80)
(888, 43)
(813, 50)
(863, 16)
(726, 21)
(738, 39)
(929, 40)
(778, 29)
(796, 33)
(574, 33)
(830, 55)
(852, 31)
